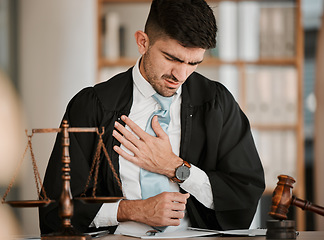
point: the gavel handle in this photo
(306, 205)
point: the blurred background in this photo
(51, 49)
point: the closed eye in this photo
(172, 58)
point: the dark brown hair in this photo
(191, 22)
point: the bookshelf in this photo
(266, 80)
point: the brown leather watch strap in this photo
(175, 179)
(187, 164)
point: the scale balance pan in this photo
(29, 203)
(99, 199)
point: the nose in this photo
(182, 70)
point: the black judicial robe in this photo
(215, 136)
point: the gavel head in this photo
(282, 197)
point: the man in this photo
(208, 137)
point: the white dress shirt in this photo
(197, 184)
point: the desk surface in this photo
(311, 235)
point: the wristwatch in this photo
(182, 172)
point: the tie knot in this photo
(165, 102)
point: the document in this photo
(198, 232)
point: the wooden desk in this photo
(312, 235)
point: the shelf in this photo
(209, 61)
(119, 62)
(217, 62)
(274, 127)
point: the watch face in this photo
(182, 173)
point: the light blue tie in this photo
(153, 183)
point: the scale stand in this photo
(68, 232)
(65, 202)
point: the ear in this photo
(142, 42)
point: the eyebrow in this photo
(179, 60)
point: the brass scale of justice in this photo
(65, 201)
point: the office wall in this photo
(57, 48)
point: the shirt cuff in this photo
(198, 185)
(106, 216)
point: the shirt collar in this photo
(144, 86)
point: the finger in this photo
(176, 206)
(179, 197)
(135, 128)
(127, 134)
(125, 155)
(174, 196)
(127, 144)
(157, 128)
(177, 214)
(171, 222)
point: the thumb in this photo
(158, 129)
(186, 195)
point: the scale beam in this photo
(56, 130)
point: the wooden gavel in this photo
(282, 198)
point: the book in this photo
(111, 36)
(228, 75)
(290, 36)
(264, 82)
(290, 95)
(265, 38)
(277, 30)
(271, 95)
(248, 30)
(278, 153)
(227, 32)
(251, 95)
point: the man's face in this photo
(166, 65)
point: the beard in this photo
(157, 81)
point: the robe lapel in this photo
(186, 122)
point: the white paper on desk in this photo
(178, 234)
(246, 232)
(198, 232)
(241, 232)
